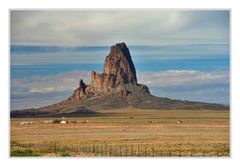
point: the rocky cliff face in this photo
(118, 72)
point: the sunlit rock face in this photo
(119, 63)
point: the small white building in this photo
(63, 122)
(85, 121)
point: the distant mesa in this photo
(116, 87)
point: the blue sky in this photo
(178, 54)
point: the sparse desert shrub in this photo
(13, 143)
(65, 154)
(24, 153)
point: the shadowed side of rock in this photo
(81, 91)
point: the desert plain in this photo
(125, 132)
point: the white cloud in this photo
(42, 90)
(172, 78)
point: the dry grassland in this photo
(200, 131)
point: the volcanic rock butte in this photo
(115, 88)
(118, 75)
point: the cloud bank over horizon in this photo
(177, 84)
(43, 55)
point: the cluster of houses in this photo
(62, 121)
(26, 123)
(56, 121)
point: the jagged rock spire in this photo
(82, 85)
(120, 64)
(118, 71)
